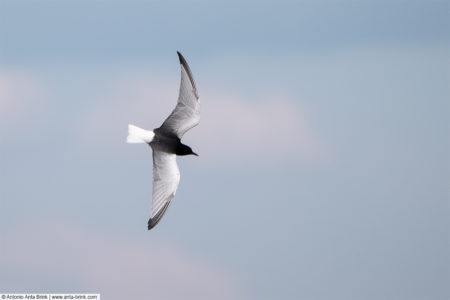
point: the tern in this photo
(165, 142)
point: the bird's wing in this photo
(166, 177)
(187, 112)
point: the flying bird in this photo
(165, 142)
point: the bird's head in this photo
(185, 150)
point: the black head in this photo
(185, 150)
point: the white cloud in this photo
(20, 91)
(272, 129)
(118, 268)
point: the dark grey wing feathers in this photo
(188, 71)
(187, 112)
(155, 220)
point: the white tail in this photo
(139, 135)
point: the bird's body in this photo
(168, 142)
(165, 142)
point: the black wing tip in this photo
(184, 63)
(181, 58)
(155, 220)
(150, 224)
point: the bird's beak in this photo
(195, 153)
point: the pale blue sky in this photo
(335, 187)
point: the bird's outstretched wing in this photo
(187, 112)
(166, 177)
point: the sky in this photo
(324, 146)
